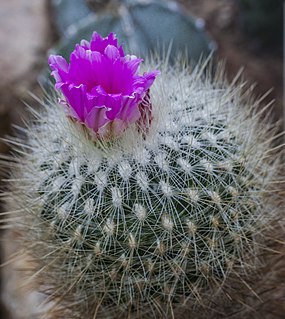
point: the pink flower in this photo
(102, 87)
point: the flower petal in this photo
(84, 66)
(129, 111)
(112, 52)
(102, 87)
(150, 77)
(133, 64)
(96, 118)
(77, 99)
(85, 44)
(59, 68)
(112, 129)
(99, 44)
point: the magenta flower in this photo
(102, 87)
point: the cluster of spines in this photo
(149, 224)
(169, 221)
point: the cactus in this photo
(143, 27)
(139, 225)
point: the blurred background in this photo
(242, 33)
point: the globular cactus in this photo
(138, 225)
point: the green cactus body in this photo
(139, 225)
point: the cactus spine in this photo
(142, 224)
